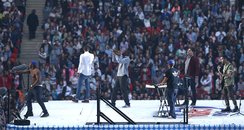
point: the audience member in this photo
(33, 23)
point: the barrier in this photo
(133, 127)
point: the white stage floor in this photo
(67, 113)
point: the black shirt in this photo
(172, 75)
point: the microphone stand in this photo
(239, 110)
(18, 120)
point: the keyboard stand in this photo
(161, 90)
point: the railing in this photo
(101, 114)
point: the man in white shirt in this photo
(85, 70)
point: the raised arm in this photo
(22, 71)
(122, 60)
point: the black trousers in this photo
(193, 90)
(35, 93)
(122, 84)
(171, 99)
(229, 92)
(189, 82)
(32, 32)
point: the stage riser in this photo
(134, 127)
(205, 115)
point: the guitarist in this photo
(220, 74)
(228, 83)
(34, 90)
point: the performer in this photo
(220, 76)
(85, 70)
(171, 79)
(192, 70)
(122, 82)
(34, 90)
(228, 88)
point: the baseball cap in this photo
(33, 62)
(171, 62)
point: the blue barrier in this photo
(131, 127)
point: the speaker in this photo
(22, 122)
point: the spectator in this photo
(33, 23)
(241, 85)
(74, 81)
(3, 89)
(206, 82)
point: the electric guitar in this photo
(221, 77)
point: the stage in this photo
(69, 115)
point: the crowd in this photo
(11, 26)
(152, 30)
(12, 15)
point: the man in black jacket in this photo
(33, 23)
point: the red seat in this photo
(242, 93)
